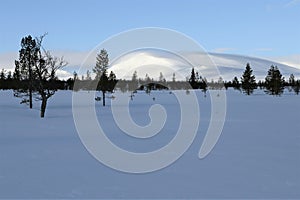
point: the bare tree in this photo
(45, 71)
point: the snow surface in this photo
(257, 155)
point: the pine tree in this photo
(27, 60)
(9, 75)
(173, 78)
(101, 64)
(203, 85)
(101, 72)
(220, 83)
(147, 79)
(248, 82)
(133, 84)
(161, 78)
(2, 79)
(112, 79)
(296, 87)
(2, 75)
(292, 80)
(260, 84)
(16, 74)
(35, 71)
(173, 84)
(88, 75)
(274, 81)
(235, 83)
(192, 79)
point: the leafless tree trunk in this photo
(45, 70)
(43, 106)
(103, 96)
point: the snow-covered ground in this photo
(257, 155)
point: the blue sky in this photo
(264, 28)
(267, 27)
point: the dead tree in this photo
(45, 71)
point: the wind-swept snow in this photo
(257, 155)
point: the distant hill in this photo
(234, 65)
(153, 62)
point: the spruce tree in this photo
(9, 75)
(88, 75)
(2, 75)
(100, 70)
(192, 80)
(235, 83)
(203, 85)
(173, 78)
(112, 81)
(296, 87)
(292, 80)
(220, 83)
(134, 82)
(25, 66)
(161, 78)
(173, 84)
(16, 74)
(2, 80)
(248, 82)
(274, 82)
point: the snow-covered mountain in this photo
(153, 62)
(234, 65)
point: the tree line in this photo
(35, 77)
(20, 80)
(273, 84)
